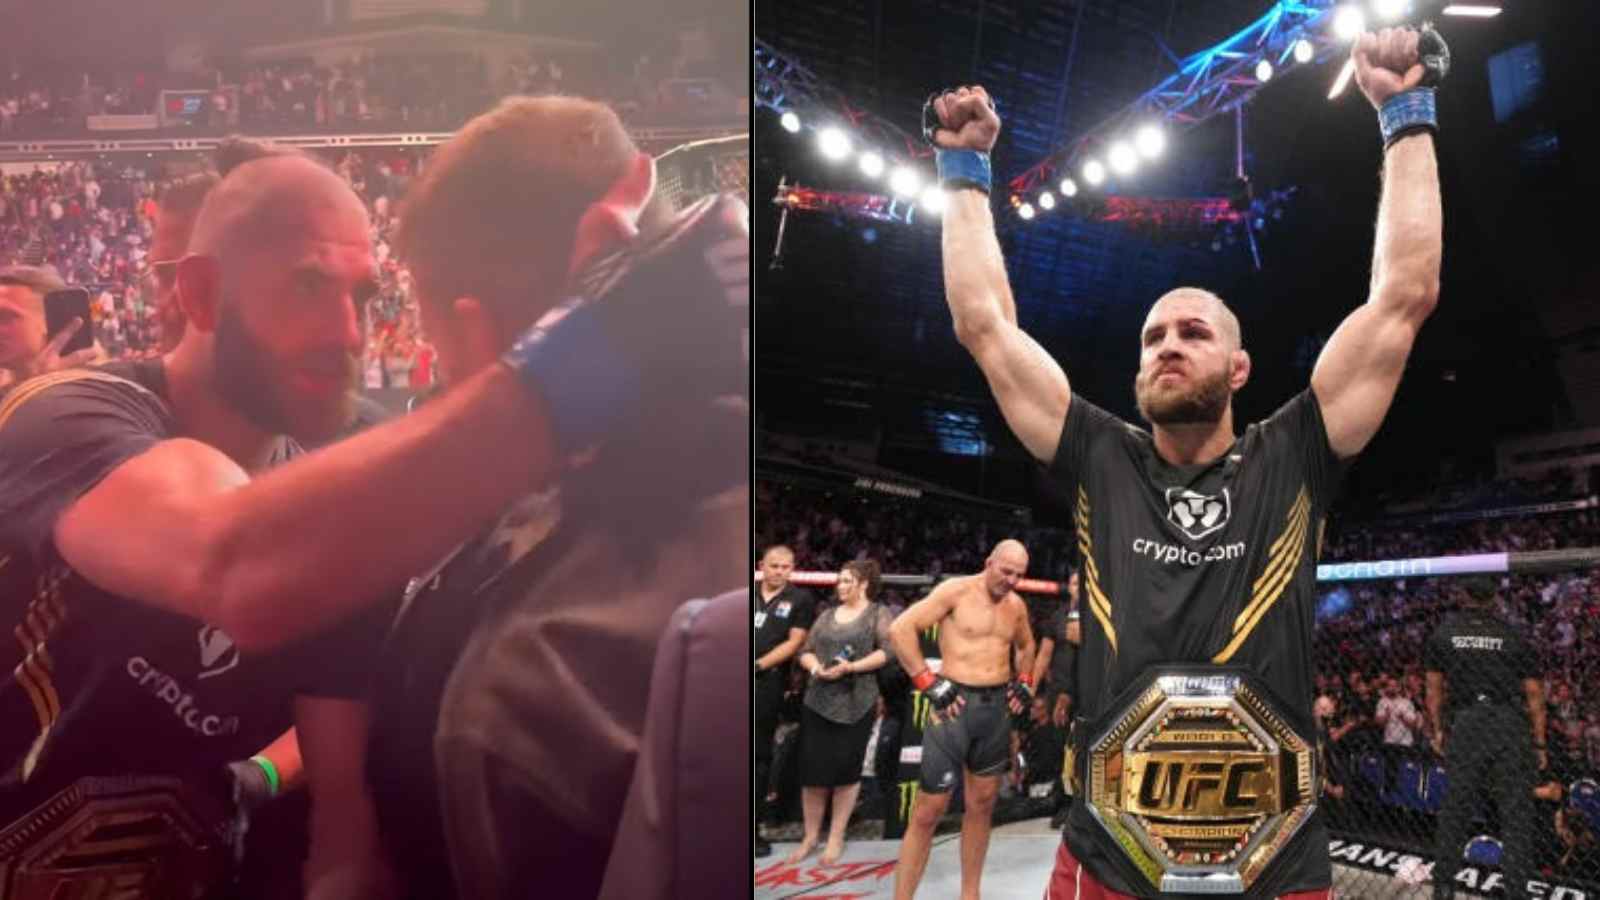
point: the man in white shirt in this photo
(1397, 715)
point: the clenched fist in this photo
(967, 120)
(1387, 63)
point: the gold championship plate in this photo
(129, 837)
(1200, 781)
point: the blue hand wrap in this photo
(572, 361)
(965, 169)
(1406, 112)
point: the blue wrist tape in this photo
(573, 362)
(1406, 112)
(964, 169)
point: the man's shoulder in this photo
(63, 408)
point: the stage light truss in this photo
(1213, 81)
(784, 85)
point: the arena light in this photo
(1094, 172)
(790, 122)
(1123, 159)
(1069, 188)
(1025, 211)
(1467, 9)
(1348, 22)
(1303, 51)
(871, 164)
(1264, 71)
(1340, 83)
(933, 199)
(905, 181)
(1047, 201)
(1389, 10)
(1151, 141)
(833, 143)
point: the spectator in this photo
(853, 638)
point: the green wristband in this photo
(271, 770)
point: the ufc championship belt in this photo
(130, 838)
(1198, 778)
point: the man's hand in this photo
(1387, 62)
(1438, 743)
(944, 699)
(1543, 756)
(50, 358)
(967, 120)
(1019, 694)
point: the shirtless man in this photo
(981, 620)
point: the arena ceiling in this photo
(854, 328)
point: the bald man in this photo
(176, 210)
(1200, 544)
(982, 623)
(183, 578)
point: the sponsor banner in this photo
(144, 122)
(889, 487)
(1414, 869)
(1470, 564)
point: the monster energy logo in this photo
(908, 794)
(920, 706)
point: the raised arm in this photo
(1360, 368)
(1028, 384)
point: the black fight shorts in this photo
(978, 740)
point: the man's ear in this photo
(199, 291)
(614, 218)
(1241, 370)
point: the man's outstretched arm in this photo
(310, 542)
(1028, 384)
(1356, 377)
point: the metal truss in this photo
(783, 84)
(1216, 80)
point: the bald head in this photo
(269, 200)
(1011, 551)
(1007, 563)
(1198, 302)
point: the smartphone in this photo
(60, 308)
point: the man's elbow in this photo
(227, 586)
(1415, 295)
(974, 330)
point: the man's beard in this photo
(1202, 403)
(251, 381)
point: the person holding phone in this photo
(845, 646)
(32, 339)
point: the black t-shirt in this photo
(1064, 656)
(792, 607)
(1483, 660)
(1211, 563)
(1043, 749)
(104, 685)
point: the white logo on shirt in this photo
(1473, 642)
(782, 611)
(1198, 514)
(171, 692)
(217, 652)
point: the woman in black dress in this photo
(845, 646)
